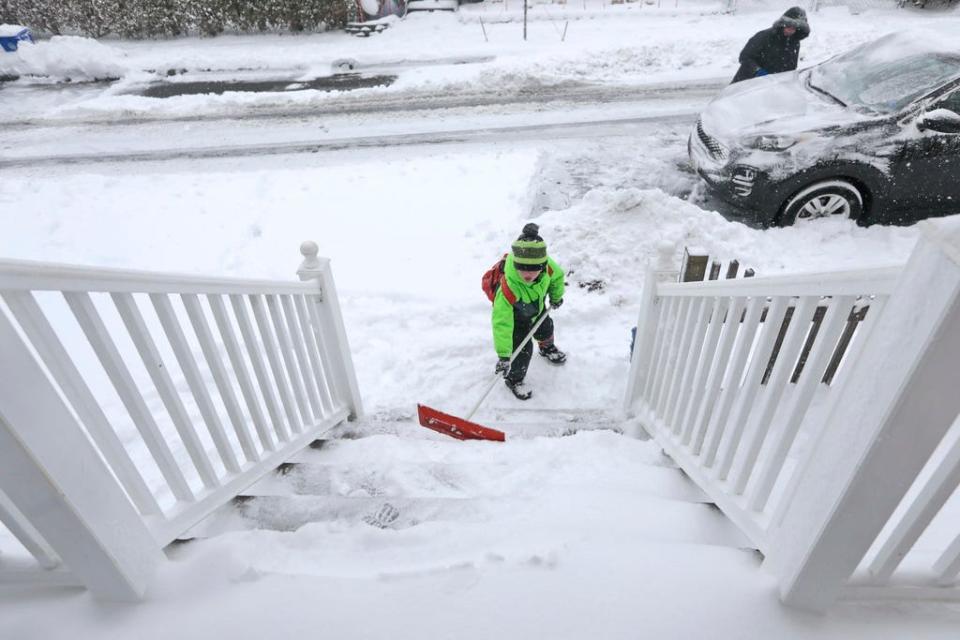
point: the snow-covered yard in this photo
(630, 44)
(573, 537)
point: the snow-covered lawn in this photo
(569, 537)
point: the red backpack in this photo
(494, 279)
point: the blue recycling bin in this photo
(11, 35)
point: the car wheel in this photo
(827, 199)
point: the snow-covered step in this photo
(444, 480)
(542, 488)
(516, 422)
(645, 519)
(289, 513)
(514, 429)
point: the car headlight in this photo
(770, 142)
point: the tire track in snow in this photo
(588, 129)
(414, 100)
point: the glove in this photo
(555, 304)
(761, 72)
(503, 367)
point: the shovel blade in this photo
(456, 427)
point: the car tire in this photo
(826, 199)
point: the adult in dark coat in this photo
(776, 49)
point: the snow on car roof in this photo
(904, 44)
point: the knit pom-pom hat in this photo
(529, 250)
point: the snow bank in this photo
(613, 234)
(64, 58)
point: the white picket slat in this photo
(718, 368)
(65, 373)
(854, 349)
(698, 332)
(751, 383)
(672, 355)
(289, 359)
(276, 368)
(315, 355)
(800, 324)
(198, 320)
(681, 345)
(680, 357)
(230, 343)
(158, 372)
(826, 341)
(717, 424)
(698, 386)
(181, 350)
(252, 343)
(319, 330)
(653, 377)
(300, 351)
(99, 338)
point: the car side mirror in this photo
(940, 120)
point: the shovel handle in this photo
(513, 356)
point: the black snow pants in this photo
(525, 315)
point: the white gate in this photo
(218, 381)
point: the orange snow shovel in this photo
(462, 428)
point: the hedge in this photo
(159, 18)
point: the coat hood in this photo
(794, 17)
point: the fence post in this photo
(694, 265)
(643, 341)
(899, 401)
(314, 268)
(55, 478)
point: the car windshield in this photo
(869, 77)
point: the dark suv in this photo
(872, 134)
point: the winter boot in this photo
(519, 389)
(551, 353)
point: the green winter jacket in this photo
(529, 296)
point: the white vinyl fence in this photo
(794, 402)
(217, 382)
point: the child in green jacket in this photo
(529, 277)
